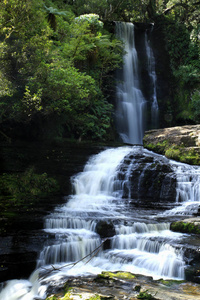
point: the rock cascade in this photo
(148, 180)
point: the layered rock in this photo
(181, 143)
(148, 179)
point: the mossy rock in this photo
(116, 275)
(171, 282)
(146, 296)
(177, 143)
(185, 227)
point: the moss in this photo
(185, 227)
(171, 282)
(190, 156)
(145, 295)
(157, 147)
(172, 153)
(66, 296)
(121, 275)
(180, 153)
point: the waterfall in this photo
(131, 104)
(187, 190)
(141, 240)
(132, 107)
(136, 246)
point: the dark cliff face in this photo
(156, 38)
(148, 180)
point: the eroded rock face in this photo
(148, 179)
(181, 143)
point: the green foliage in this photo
(183, 49)
(57, 61)
(178, 40)
(22, 189)
(91, 19)
(54, 66)
(195, 99)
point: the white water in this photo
(144, 247)
(139, 247)
(188, 190)
(131, 104)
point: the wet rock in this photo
(148, 179)
(112, 286)
(106, 230)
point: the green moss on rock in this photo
(178, 143)
(171, 282)
(121, 275)
(185, 227)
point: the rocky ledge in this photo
(190, 225)
(181, 143)
(122, 286)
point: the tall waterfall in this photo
(131, 104)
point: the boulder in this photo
(106, 230)
(147, 179)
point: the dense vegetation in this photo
(20, 191)
(58, 58)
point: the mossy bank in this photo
(180, 143)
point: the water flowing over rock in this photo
(149, 180)
(127, 195)
(140, 238)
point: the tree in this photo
(49, 72)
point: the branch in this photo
(92, 254)
(111, 11)
(167, 10)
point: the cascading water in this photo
(131, 104)
(141, 241)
